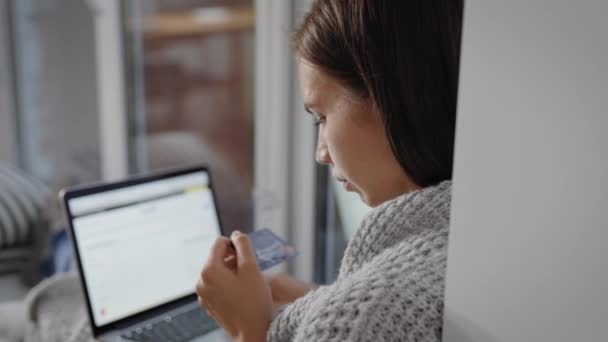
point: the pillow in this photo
(23, 203)
(14, 321)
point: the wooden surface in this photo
(172, 26)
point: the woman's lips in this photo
(347, 186)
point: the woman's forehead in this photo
(312, 76)
(316, 85)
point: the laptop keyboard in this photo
(183, 326)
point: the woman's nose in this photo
(322, 154)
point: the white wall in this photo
(529, 230)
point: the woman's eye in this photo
(319, 120)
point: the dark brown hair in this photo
(404, 55)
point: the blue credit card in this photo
(270, 249)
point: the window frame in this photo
(284, 151)
(114, 148)
(9, 130)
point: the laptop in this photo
(140, 245)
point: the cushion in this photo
(23, 201)
(56, 311)
(23, 206)
(14, 322)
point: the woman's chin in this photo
(370, 201)
(365, 198)
(374, 201)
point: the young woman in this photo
(380, 79)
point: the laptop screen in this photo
(143, 245)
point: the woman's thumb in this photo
(245, 254)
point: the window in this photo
(189, 67)
(339, 214)
(55, 91)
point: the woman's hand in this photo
(286, 289)
(234, 292)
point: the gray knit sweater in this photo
(391, 281)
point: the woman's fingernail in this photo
(236, 232)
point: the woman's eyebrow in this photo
(312, 108)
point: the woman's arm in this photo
(286, 289)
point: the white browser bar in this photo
(137, 193)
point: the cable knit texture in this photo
(391, 281)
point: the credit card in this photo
(270, 249)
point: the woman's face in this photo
(352, 139)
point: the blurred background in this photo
(99, 90)
(187, 75)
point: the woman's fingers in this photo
(244, 250)
(203, 298)
(225, 257)
(219, 250)
(216, 270)
(236, 297)
(230, 262)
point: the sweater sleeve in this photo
(372, 305)
(288, 319)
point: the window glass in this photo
(189, 75)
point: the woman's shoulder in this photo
(419, 259)
(396, 296)
(431, 199)
(405, 222)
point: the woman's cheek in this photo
(344, 158)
